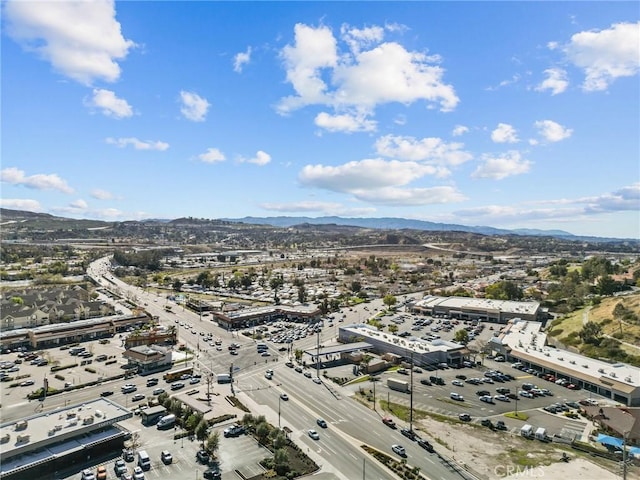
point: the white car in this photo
(457, 383)
(399, 449)
(313, 434)
(457, 396)
(486, 398)
(317, 380)
(138, 474)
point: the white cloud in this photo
(502, 166)
(624, 199)
(426, 150)
(194, 107)
(110, 105)
(212, 155)
(137, 144)
(241, 59)
(314, 49)
(605, 55)
(359, 38)
(82, 40)
(401, 197)
(345, 123)
(552, 131)
(365, 76)
(556, 81)
(261, 158)
(323, 208)
(363, 175)
(21, 204)
(40, 181)
(459, 130)
(302, 206)
(101, 194)
(504, 133)
(79, 204)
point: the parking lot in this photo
(235, 453)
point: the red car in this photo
(389, 422)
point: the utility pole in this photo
(411, 396)
(318, 354)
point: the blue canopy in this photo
(609, 440)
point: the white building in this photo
(524, 341)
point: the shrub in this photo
(59, 377)
(57, 368)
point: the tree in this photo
(591, 333)
(461, 336)
(393, 328)
(213, 443)
(356, 286)
(389, 300)
(619, 313)
(281, 461)
(262, 432)
(177, 285)
(302, 294)
(298, 354)
(504, 290)
(201, 430)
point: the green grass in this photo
(517, 416)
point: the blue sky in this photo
(507, 114)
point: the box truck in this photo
(398, 385)
(526, 431)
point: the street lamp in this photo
(279, 400)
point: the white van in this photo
(144, 462)
(167, 421)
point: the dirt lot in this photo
(499, 455)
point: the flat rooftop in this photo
(526, 339)
(47, 433)
(417, 345)
(432, 301)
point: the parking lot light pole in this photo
(279, 399)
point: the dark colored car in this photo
(408, 433)
(106, 393)
(424, 381)
(202, 456)
(426, 445)
(212, 474)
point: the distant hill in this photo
(392, 223)
(20, 220)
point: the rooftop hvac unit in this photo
(628, 379)
(561, 359)
(612, 374)
(601, 370)
(585, 366)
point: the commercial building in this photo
(480, 309)
(148, 358)
(525, 341)
(41, 445)
(423, 352)
(54, 335)
(256, 316)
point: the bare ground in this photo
(495, 455)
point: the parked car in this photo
(233, 431)
(202, 456)
(177, 385)
(106, 393)
(457, 396)
(119, 467)
(137, 397)
(87, 475)
(486, 399)
(465, 417)
(500, 425)
(166, 457)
